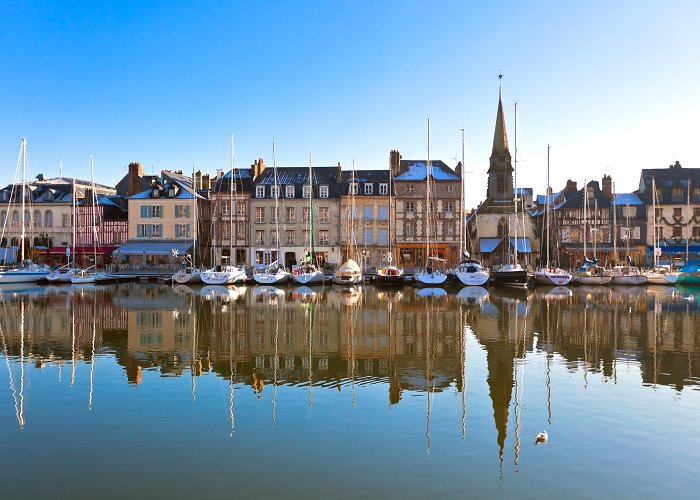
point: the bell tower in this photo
(500, 182)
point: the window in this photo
(410, 229)
(677, 212)
(627, 211)
(431, 207)
(323, 217)
(289, 191)
(369, 188)
(183, 231)
(149, 230)
(151, 211)
(289, 214)
(368, 236)
(450, 188)
(355, 213)
(305, 211)
(260, 191)
(660, 233)
(15, 218)
(48, 218)
(410, 188)
(449, 229)
(677, 232)
(273, 238)
(353, 188)
(184, 210)
(290, 237)
(225, 209)
(696, 211)
(305, 236)
(449, 207)
(659, 212)
(259, 214)
(323, 191)
(37, 218)
(240, 232)
(259, 237)
(225, 231)
(241, 209)
(368, 212)
(383, 213)
(274, 215)
(696, 231)
(383, 236)
(305, 191)
(384, 188)
(323, 237)
(3, 218)
(409, 207)
(275, 191)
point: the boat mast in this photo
(462, 239)
(585, 217)
(231, 184)
(352, 254)
(94, 221)
(515, 181)
(391, 215)
(427, 202)
(23, 152)
(687, 238)
(614, 208)
(277, 197)
(74, 224)
(653, 205)
(194, 216)
(311, 209)
(546, 213)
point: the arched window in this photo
(502, 228)
(37, 218)
(15, 218)
(48, 218)
(3, 218)
(27, 219)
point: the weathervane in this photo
(500, 74)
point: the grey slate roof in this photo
(415, 170)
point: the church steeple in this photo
(500, 172)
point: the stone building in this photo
(493, 230)
(281, 204)
(412, 212)
(370, 220)
(677, 217)
(230, 209)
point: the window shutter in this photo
(144, 211)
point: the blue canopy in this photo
(488, 245)
(523, 244)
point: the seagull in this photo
(542, 437)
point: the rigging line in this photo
(11, 378)
(12, 196)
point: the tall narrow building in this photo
(492, 229)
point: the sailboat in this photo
(308, 272)
(512, 274)
(190, 274)
(433, 273)
(659, 275)
(273, 273)
(628, 274)
(64, 273)
(591, 273)
(225, 274)
(389, 273)
(26, 272)
(550, 275)
(90, 275)
(469, 272)
(350, 273)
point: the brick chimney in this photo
(571, 185)
(338, 176)
(134, 178)
(89, 197)
(394, 161)
(206, 182)
(258, 167)
(458, 169)
(607, 186)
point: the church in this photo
(495, 230)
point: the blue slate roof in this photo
(523, 191)
(415, 170)
(627, 199)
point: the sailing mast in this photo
(585, 218)
(352, 254)
(614, 208)
(687, 238)
(277, 198)
(546, 213)
(653, 205)
(515, 180)
(94, 221)
(462, 239)
(427, 202)
(311, 210)
(194, 216)
(231, 184)
(23, 153)
(74, 224)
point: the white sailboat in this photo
(591, 273)
(26, 271)
(350, 272)
(659, 275)
(64, 273)
(469, 272)
(434, 272)
(390, 273)
(90, 275)
(308, 273)
(549, 274)
(191, 274)
(273, 273)
(627, 274)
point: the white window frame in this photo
(383, 188)
(323, 191)
(289, 192)
(260, 191)
(305, 191)
(369, 188)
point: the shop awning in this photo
(488, 245)
(523, 244)
(154, 248)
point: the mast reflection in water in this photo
(348, 391)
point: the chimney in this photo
(458, 169)
(197, 181)
(394, 161)
(89, 197)
(134, 178)
(338, 176)
(258, 167)
(571, 185)
(206, 182)
(219, 173)
(607, 186)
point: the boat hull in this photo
(348, 280)
(22, 276)
(223, 277)
(478, 278)
(662, 279)
(688, 280)
(309, 278)
(187, 278)
(514, 279)
(278, 278)
(593, 280)
(628, 280)
(429, 279)
(384, 279)
(549, 278)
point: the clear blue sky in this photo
(612, 86)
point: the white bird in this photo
(542, 437)
(690, 298)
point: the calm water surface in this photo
(151, 390)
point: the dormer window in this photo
(274, 191)
(305, 191)
(155, 193)
(369, 188)
(260, 191)
(323, 191)
(384, 189)
(171, 192)
(289, 192)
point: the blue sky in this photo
(612, 86)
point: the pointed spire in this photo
(500, 137)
